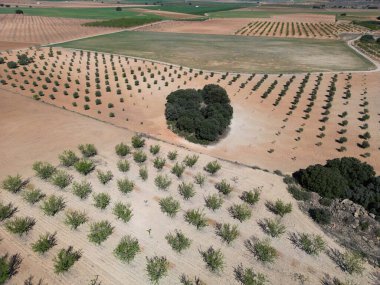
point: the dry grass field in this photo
(19, 31)
(47, 131)
(280, 121)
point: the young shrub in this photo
(262, 250)
(122, 149)
(246, 276)
(186, 190)
(138, 141)
(352, 262)
(143, 173)
(224, 187)
(6, 211)
(84, 166)
(159, 163)
(33, 196)
(101, 200)
(125, 185)
(214, 259)
(65, 259)
(104, 176)
(191, 160)
(311, 244)
(186, 280)
(241, 212)
(178, 169)
(212, 167)
(172, 155)
(61, 179)
(52, 205)
(68, 158)
(82, 189)
(196, 218)
(251, 197)
(127, 249)
(157, 267)
(44, 170)
(123, 165)
(213, 201)
(199, 179)
(273, 227)
(280, 208)
(44, 243)
(88, 150)
(12, 183)
(154, 149)
(169, 206)
(75, 218)
(162, 182)
(20, 225)
(139, 156)
(178, 241)
(100, 231)
(122, 212)
(227, 232)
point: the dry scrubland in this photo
(280, 121)
(149, 225)
(19, 31)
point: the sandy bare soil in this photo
(35, 131)
(19, 31)
(276, 132)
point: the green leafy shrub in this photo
(52, 205)
(6, 211)
(122, 149)
(127, 249)
(123, 165)
(33, 196)
(213, 201)
(122, 212)
(101, 200)
(280, 208)
(172, 155)
(178, 241)
(169, 206)
(75, 218)
(157, 267)
(162, 182)
(241, 212)
(125, 185)
(154, 149)
(227, 232)
(104, 176)
(12, 183)
(139, 156)
(178, 169)
(214, 259)
(84, 166)
(196, 218)
(199, 179)
(320, 215)
(191, 160)
(159, 163)
(247, 276)
(68, 158)
(262, 250)
(186, 190)
(61, 179)
(20, 225)
(44, 243)
(88, 150)
(251, 197)
(65, 259)
(138, 141)
(100, 231)
(44, 170)
(82, 189)
(311, 244)
(273, 227)
(298, 193)
(212, 167)
(143, 173)
(224, 187)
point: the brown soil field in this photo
(280, 121)
(172, 15)
(67, 4)
(212, 26)
(297, 29)
(313, 18)
(19, 31)
(34, 131)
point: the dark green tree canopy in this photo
(200, 116)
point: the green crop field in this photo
(230, 53)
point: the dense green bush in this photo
(123, 165)
(125, 185)
(170, 206)
(84, 166)
(66, 259)
(157, 267)
(68, 158)
(212, 167)
(246, 276)
(139, 156)
(320, 215)
(61, 179)
(44, 170)
(138, 141)
(6, 211)
(20, 225)
(127, 249)
(52, 205)
(273, 227)
(82, 189)
(214, 201)
(12, 183)
(227, 232)
(178, 241)
(88, 150)
(186, 190)
(122, 149)
(345, 177)
(241, 212)
(178, 169)
(162, 182)
(75, 218)
(311, 244)
(251, 197)
(100, 231)
(122, 212)
(263, 250)
(223, 187)
(214, 259)
(104, 176)
(101, 200)
(196, 218)
(199, 115)
(33, 195)
(44, 243)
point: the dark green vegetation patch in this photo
(201, 116)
